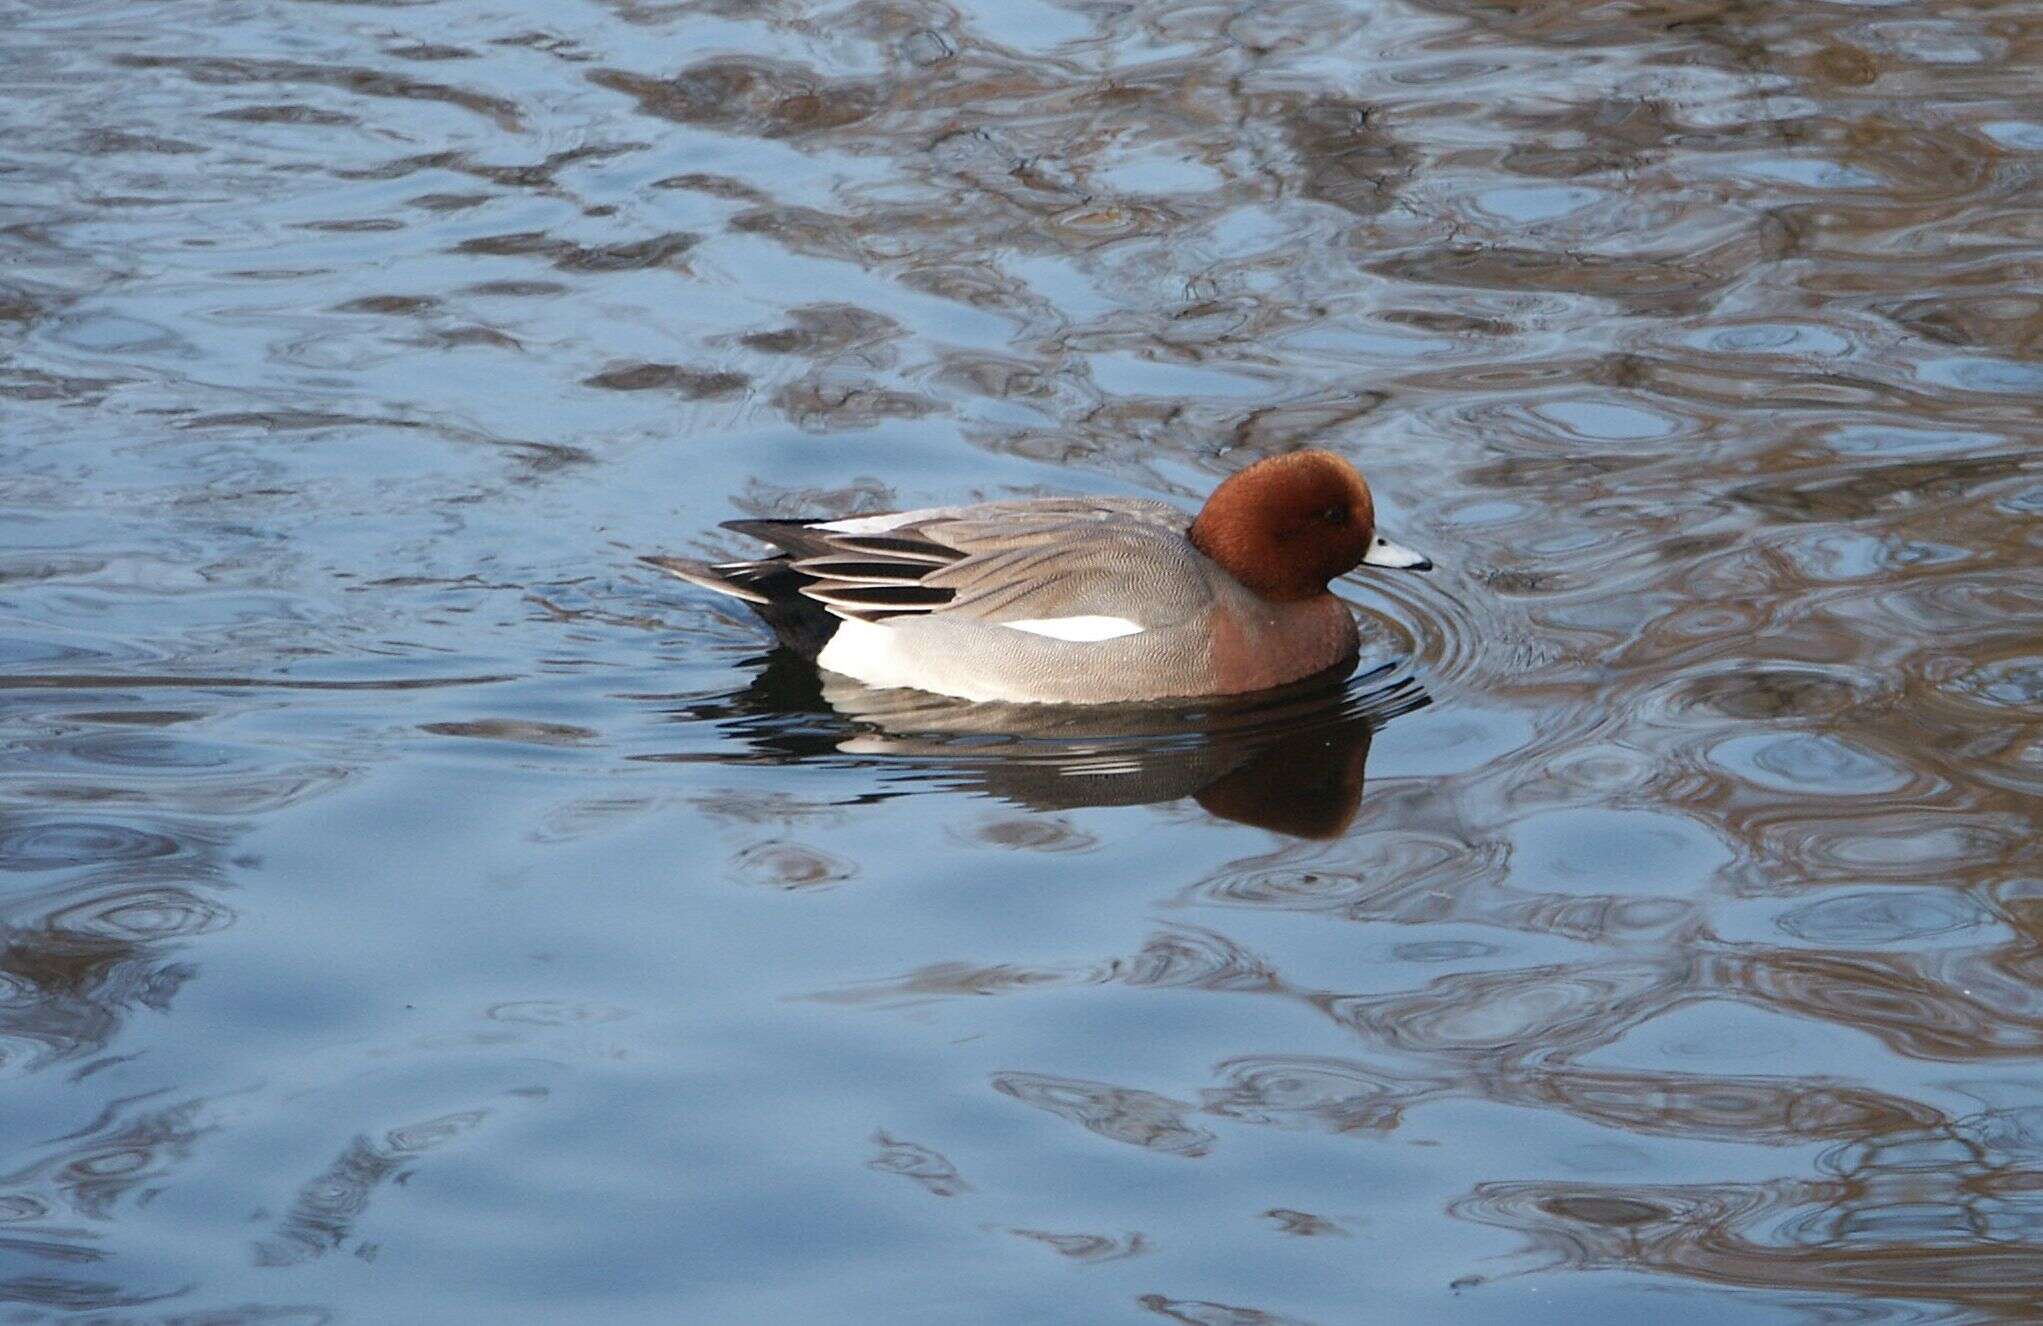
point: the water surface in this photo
(413, 910)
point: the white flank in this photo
(886, 656)
(864, 651)
(1083, 630)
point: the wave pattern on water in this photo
(388, 866)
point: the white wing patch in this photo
(870, 524)
(1083, 630)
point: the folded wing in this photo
(1003, 561)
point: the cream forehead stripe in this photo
(1085, 630)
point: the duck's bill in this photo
(1382, 552)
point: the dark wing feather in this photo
(899, 549)
(864, 600)
(852, 570)
(870, 577)
(804, 538)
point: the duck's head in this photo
(1288, 524)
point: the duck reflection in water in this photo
(1289, 760)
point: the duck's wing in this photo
(999, 561)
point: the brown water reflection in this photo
(1689, 929)
(1289, 760)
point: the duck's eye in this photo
(1335, 515)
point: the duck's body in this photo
(1075, 600)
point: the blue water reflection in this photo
(412, 910)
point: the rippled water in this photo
(414, 912)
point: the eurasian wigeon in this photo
(1076, 600)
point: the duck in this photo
(1075, 600)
